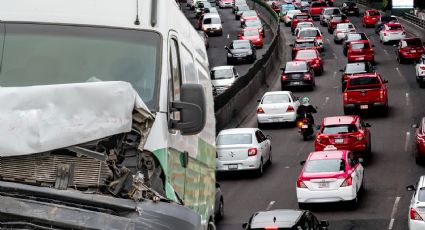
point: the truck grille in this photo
(41, 169)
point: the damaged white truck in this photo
(107, 118)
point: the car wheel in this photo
(303, 206)
(259, 125)
(260, 169)
(346, 111)
(369, 147)
(400, 59)
(355, 202)
(220, 214)
(418, 160)
(421, 84)
(229, 62)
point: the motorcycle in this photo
(305, 127)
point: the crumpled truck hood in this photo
(41, 118)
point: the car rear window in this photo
(275, 99)
(302, 54)
(325, 165)
(373, 13)
(355, 37)
(356, 68)
(309, 33)
(359, 46)
(253, 23)
(212, 21)
(234, 139)
(421, 194)
(240, 45)
(318, 4)
(344, 26)
(413, 42)
(395, 27)
(339, 129)
(296, 67)
(249, 13)
(359, 81)
(221, 74)
(250, 33)
(304, 44)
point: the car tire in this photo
(220, 214)
(346, 111)
(354, 204)
(259, 125)
(260, 169)
(363, 186)
(303, 206)
(421, 84)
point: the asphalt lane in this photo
(389, 171)
(216, 53)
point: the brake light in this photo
(414, 215)
(290, 109)
(260, 110)
(317, 61)
(345, 96)
(381, 94)
(300, 184)
(242, 19)
(347, 182)
(271, 228)
(300, 124)
(252, 152)
(307, 76)
(284, 77)
(258, 39)
(358, 136)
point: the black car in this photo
(239, 10)
(285, 219)
(304, 44)
(350, 8)
(241, 51)
(354, 68)
(349, 37)
(382, 21)
(297, 74)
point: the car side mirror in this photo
(283, 68)
(367, 125)
(302, 163)
(244, 225)
(410, 188)
(259, 100)
(324, 223)
(192, 108)
(236, 75)
(341, 70)
(385, 81)
(269, 137)
(226, 48)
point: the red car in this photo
(420, 141)
(253, 35)
(316, 9)
(360, 50)
(365, 91)
(248, 15)
(370, 17)
(335, 20)
(303, 17)
(312, 56)
(345, 133)
(410, 49)
(304, 44)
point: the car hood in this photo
(222, 82)
(47, 117)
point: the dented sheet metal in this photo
(42, 118)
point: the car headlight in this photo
(229, 55)
(250, 52)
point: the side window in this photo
(258, 136)
(188, 66)
(174, 76)
(263, 137)
(351, 160)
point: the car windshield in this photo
(319, 4)
(37, 54)
(304, 44)
(296, 67)
(373, 13)
(395, 27)
(359, 46)
(240, 45)
(339, 129)
(253, 23)
(250, 32)
(421, 194)
(325, 165)
(250, 13)
(302, 54)
(359, 81)
(275, 99)
(221, 74)
(355, 37)
(213, 20)
(414, 42)
(309, 33)
(234, 139)
(356, 68)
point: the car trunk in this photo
(338, 140)
(233, 152)
(276, 108)
(365, 94)
(323, 181)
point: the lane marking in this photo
(386, 52)
(228, 36)
(398, 71)
(270, 205)
(406, 144)
(397, 200)
(326, 101)
(335, 74)
(407, 99)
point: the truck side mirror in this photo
(192, 108)
(244, 225)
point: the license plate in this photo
(296, 83)
(351, 12)
(339, 141)
(304, 126)
(360, 58)
(413, 51)
(239, 58)
(323, 185)
(232, 167)
(364, 106)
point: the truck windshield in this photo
(40, 54)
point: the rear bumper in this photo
(411, 55)
(274, 118)
(416, 224)
(392, 38)
(369, 104)
(355, 58)
(250, 163)
(301, 83)
(369, 22)
(304, 195)
(360, 147)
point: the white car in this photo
(311, 32)
(243, 149)
(327, 13)
(222, 77)
(341, 30)
(225, 3)
(301, 25)
(287, 19)
(277, 106)
(417, 205)
(392, 31)
(330, 176)
(420, 71)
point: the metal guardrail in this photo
(415, 20)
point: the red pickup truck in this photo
(365, 91)
(316, 9)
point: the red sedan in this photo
(253, 35)
(303, 17)
(344, 132)
(360, 50)
(410, 49)
(312, 56)
(420, 141)
(370, 17)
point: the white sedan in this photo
(341, 30)
(417, 205)
(301, 25)
(420, 71)
(392, 32)
(287, 19)
(243, 149)
(277, 106)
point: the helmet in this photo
(305, 101)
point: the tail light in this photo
(385, 34)
(300, 184)
(414, 215)
(307, 76)
(347, 182)
(271, 228)
(252, 152)
(345, 97)
(290, 109)
(420, 139)
(422, 67)
(284, 77)
(358, 136)
(258, 39)
(242, 19)
(346, 21)
(300, 124)
(317, 61)
(381, 94)
(260, 110)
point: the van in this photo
(212, 24)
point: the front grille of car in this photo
(42, 169)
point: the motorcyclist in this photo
(306, 109)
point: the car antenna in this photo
(137, 21)
(274, 219)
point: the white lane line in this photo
(398, 71)
(270, 205)
(406, 143)
(335, 74)
(326, 101)
(228, 36)
(397, 200)
(386, 52)
(407, 99)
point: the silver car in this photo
(327, 13)
(243, 149)
(341, 30)
(222, 77)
